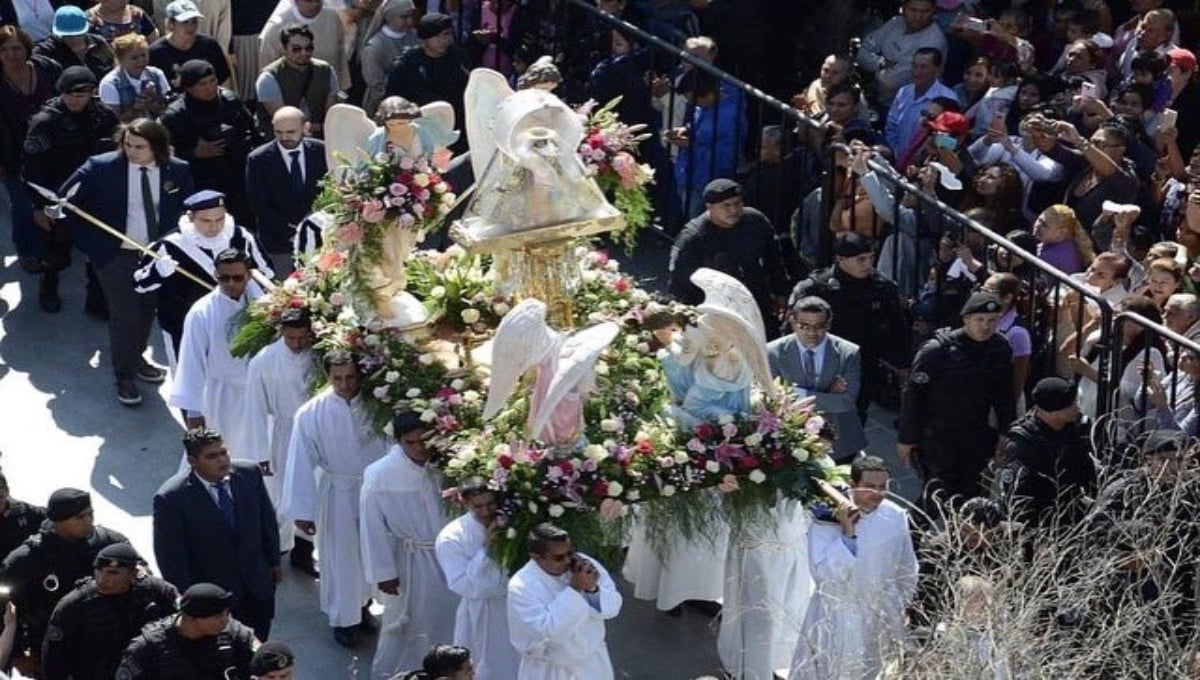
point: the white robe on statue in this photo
(857, 611)
(693, 570)
(402, 513)
(211, 381)
(558, 634)
(332, 440)
(276, 387)
(767, 589)
(481, 622)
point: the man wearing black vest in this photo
(298, 79)
(435, 70)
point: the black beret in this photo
(205, 599)
(272, 656)
(193, 71)
(1053, 394)
(981, 302)
(851, 244)
(66, 503)
(117, 555)
(434, 24)
(721, 190)
(76, 79)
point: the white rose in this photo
(601, 368)
(470, 315)
(500, 308)
(757, 476)
(413, 393)
(643, 347)
(590, 276)
(641, 435)
(725, 419)
(456, 464)
(470, 396)
(633, 495)
(380, 392)
(392, 376)
(502, 450)
(753, 439)
(421, 179)
(511, 533)
(533, 507)
(595, 452)
(800, 455)
(428, 416)
(681, 457)
(425, 359)
(609, 425)
(668, 491)
(622, 304)
(712, 466)
(615, 489)
(612, 265)
(457, 384)
(437, 292)
(556, 510)
(631, 340)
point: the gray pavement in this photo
(62, 426)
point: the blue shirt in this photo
(904, 118)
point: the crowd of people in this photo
(194, 130)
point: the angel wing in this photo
(522, 341)
(729, 305)
(485, 90)
(576, 360)
(346, 131)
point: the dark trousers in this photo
(256, 613)
(130, 313)
(952, 466)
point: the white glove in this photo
(165, 265)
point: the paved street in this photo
(62, 426)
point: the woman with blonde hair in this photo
(134, 88)
(1062, 241)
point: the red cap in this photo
(1184, 59)
(950, 123)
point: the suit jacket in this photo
(269, 189)
(103, 191)
(193, 544)
(841, 359)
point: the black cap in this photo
(434, 24)
(66, 503)
(76, 79)
(193, 71)
(1053, 394)
(721, 190)
(981, 302)
(117, 555)
(851, 244)
(272, 656)
(405, 422)
(205, 599)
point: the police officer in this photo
(273, 661)
(62, 135)
(200, 642)
(1047, 462)
(866, 311)
(92, 624)
(958, 378)
(46, 565)
(18, 520)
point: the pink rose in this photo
(373, 211)
(728, 484)
(611, 509)
(349, 234)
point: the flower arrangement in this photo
(458, 290)
(609, 154)
(315, 286)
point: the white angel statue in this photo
(566, 371)
(711, 367)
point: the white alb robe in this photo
(857, 611)
(210, 380)
(401, 516)
(767, 589)
(276, 387)
(556, 632)
(481, 622)
(332, 439)
(693, 570)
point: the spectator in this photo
(664, 88)
(1138, 350)
(1107, 175)
(134, 89)
(1039, 173)
(770, 186)
(1156, 32)
(888, 51)
(247, 21)
(434, 71)
(1062, 241)
(1085, 60)
(1164, 278)
(111, 19)
(215, 18)
(184, 42)
(390, 33)
(1007, 287)
(1185, 97)
(710, 141)
(906, 112)
(328, 37)
(502, 28)
(72, 45)
(299, 80)
(835, 71)
(998, 188)
(977, 80)
(34, 17)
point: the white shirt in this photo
(36, 18)
(818, 355)
(135, 217)
(287, 158)
(211, 488)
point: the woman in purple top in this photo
(1007, 287)
(1062, 242)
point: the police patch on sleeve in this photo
(54, 633)
(919, 378)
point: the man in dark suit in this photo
(822, 365)
(281, 184)
(215, 523)
(138, 190)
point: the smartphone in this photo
(975, 25)
(945, 141)
(1168, 119)
(1087, 91)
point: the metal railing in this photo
(1157, 366)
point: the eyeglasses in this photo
(799, 325)
(296, 49)
(231, 278)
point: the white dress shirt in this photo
(135, 217)
(287, 159)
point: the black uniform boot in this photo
(48, 298)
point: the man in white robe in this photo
(767, 589)
(276, 388)
(481, 622)
(866, 574)
(332, 439)
(400, 519)
(210, 384)
(557, 605)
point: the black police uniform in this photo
(18, 523)
(88, 631)
(1046, 470)
(42, 570)
(866, 312)
(161, 653)
(954, 384)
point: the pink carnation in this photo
(373, 211)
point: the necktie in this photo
(225, 503)
(295, 172)
(810, 367)
(148, 206)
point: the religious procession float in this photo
(538, 364)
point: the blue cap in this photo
(69, 20)
(203, 200)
